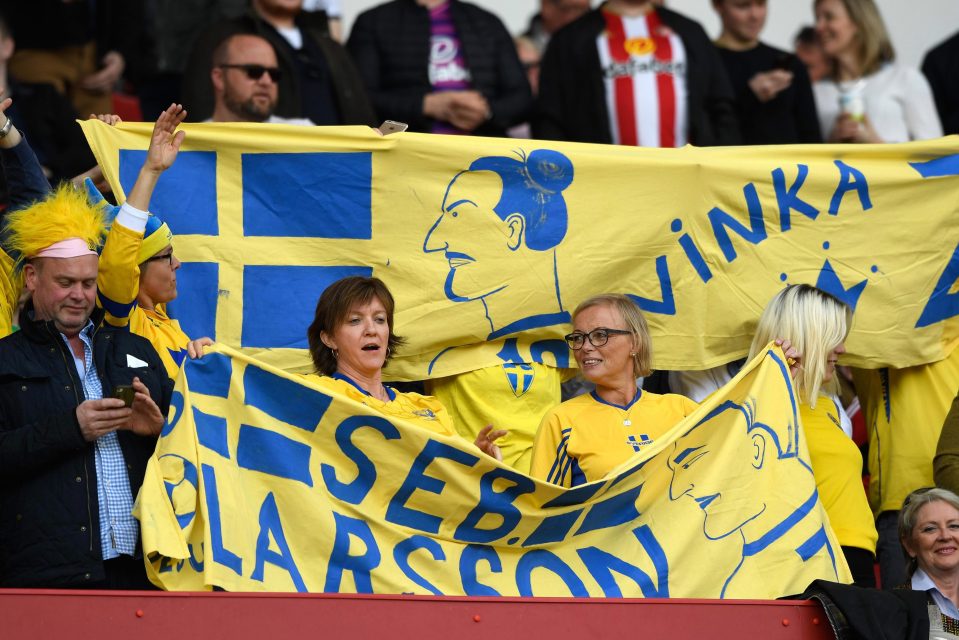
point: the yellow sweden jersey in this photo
(585, 438)
(512, 396)
(425, 411)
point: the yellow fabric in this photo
(10, 287)
(164, 333)
(425, 411)
(118, 283)
(904, 410)
(511, 396)
(597, 436)
(837, 466)
(118, 278)
(266, 481)
(722, 228)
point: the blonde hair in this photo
(875, 47)
(65, 213)
(635, 322)
(815, 322)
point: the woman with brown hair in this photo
(352, 338)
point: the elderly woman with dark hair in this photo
(352, 338)
(929, 533)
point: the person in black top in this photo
(774, 100)
(442, 66)
(941, 68)
(318, 79)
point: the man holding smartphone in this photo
(71, 457)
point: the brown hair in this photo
(335, 304)
(635, 322)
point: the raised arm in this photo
(118, 281)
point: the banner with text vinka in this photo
(262, 482)
(488, 244)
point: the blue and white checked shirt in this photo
(118, 528)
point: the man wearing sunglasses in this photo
(246, 78)
(318, 79)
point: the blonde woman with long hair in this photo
(817, 323)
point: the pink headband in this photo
(69, 248)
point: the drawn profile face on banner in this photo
(501, 222)
(723, 492)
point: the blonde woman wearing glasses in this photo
(582, 439)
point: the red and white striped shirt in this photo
(644, 70)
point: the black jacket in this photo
(49, 519)
(346, 88)
(861, 613)
(572, 96)
(391, 46)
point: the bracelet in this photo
(5, 129)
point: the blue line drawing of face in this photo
(501, 222)
(727, 495)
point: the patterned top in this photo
(118, 529)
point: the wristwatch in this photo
(5, 129)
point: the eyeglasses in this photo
(256, 71)
(597, 337)
(164, 256)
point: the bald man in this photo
(245, 78)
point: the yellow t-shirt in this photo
(425, 411)
(837, 468)
(904, 410)
(510, 396)
(585, 438)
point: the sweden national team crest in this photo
(520, 377)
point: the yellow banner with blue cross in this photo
(489, 244)
(265, 481)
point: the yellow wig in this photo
(65, 213)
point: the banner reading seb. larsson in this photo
(487, 244)
(263, 482)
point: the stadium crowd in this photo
(78, 421)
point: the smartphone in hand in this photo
(124, 392)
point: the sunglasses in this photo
(256, 71)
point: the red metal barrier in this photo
(109, 615)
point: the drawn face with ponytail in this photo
(500, 222)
